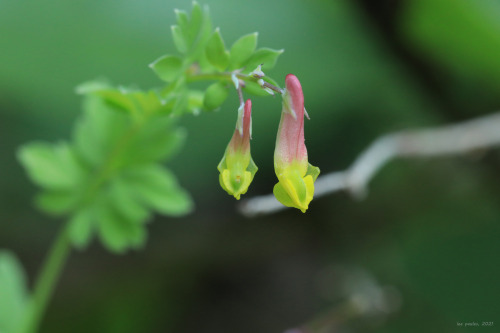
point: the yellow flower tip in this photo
(237, 168)
(295, 189)
(296, 193)
(235, 181)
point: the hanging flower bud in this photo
(237, 168)
(295, 175)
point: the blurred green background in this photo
(428, 232)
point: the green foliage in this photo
(265, 56)
(216, 51)
(167, 67)
(204, 56)
(88, 179)
(13, 294)
(54, 167)
(242, 50)
(179, 40)
(108, 180)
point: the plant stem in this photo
(46, 281)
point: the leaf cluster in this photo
(108, 180)
(203, 56)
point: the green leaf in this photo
(242, 50)
(216, 51)
(81, 227)
(98, 131)
(265, 56)
(116, 232)
(157, 188)
(117, 99)
(168, 67)
(53, 167)
(158, 140)
(197, 51)
(90, 87)
(179, 39)
(195, 22)
(13, 293)
(149, 102)
(134, 101)
(122, 198)
(205, 65)
(57, 202)
(182, 19)
(215, 95)
(254, 88)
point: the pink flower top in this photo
(290, 146)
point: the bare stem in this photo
(195, 77)
(240, 95)
(46, 282)
(273, 87)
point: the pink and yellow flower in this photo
(295, 187)
(237, 168)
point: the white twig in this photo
(482, 132)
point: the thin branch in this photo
(272, 87)
(479, 133)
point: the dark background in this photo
(427, 236)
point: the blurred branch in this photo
(360, 298)
(479, 133)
